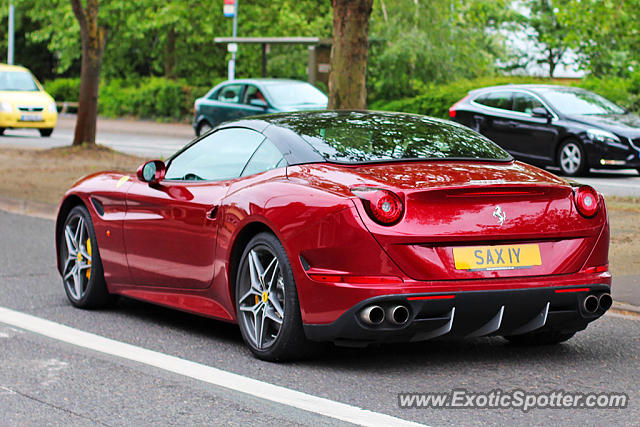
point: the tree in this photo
(419, 43)
(347, 78)
(94, 38)
(549, 37)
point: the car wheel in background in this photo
(267, 301)
(204, 127)
(2, 131)
(572, 159)
(540, 338)
(46, 132)
(82, 274)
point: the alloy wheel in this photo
(77, 265)
(262, 301)
(570, 158)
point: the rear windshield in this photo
(17, 81)
(360, 137)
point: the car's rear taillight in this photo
(383, 206)
(452, 110)
(586, 200)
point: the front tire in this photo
(572, 159)
(540, 338)
(82, 274)
(267, 301)
(45, 133)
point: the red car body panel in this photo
(173, 243)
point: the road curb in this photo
(29, 208)
(623, 306)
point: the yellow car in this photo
(24, 103)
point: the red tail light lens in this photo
(452, 110)
(383, 206)
(587, 200)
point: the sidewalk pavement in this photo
(626, 292)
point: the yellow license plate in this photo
(505, 257)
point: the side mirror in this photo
(152, 172)
(540, 112)
(259, 103)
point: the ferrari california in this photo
(349, 227)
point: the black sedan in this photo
(548, 125)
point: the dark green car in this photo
(234, 99)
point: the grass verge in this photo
(43, 176)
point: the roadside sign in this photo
(229, 8)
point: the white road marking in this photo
(250, 386)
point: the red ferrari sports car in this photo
(350, 227)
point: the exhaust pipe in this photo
(590, 304)
(605, 301)
(372, 315)
(398, 314)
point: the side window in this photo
(525, 103)
(221, 155)
(500, 100)
(266, 157)
(230, 93)
(252, 92)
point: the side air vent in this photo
(98, 206)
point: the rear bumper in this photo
(465, 314)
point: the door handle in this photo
(211, 213)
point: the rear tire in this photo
(540, 338)
(2, 131)
(266, 296)
(82, 273)
(572, 159)
(46, 132)
(204, 127)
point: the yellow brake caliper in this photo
(89, 262)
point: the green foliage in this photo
(417, 43)
(63, 89)
(152, 98)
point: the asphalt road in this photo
(45, 381)
(146, 139)
(160, 140)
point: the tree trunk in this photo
(348, 75)
(170, 54)
(93, 42)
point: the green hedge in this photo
(437, 99)
(150, 98)
(63, 89)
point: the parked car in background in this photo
(234, 99)
(567, 127)
(23, 101)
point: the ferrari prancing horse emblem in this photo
(499, 214)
